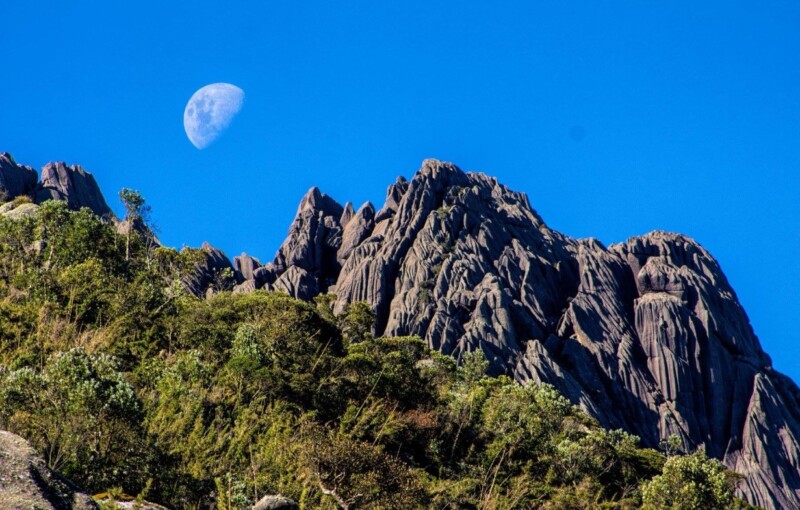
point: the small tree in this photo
(357, 322)
(691, 482)
(135, 210)
(80, 413)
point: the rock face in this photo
(212, 274)
(74, 185)
(25, 481)
(15, 180)
(646, 335)
(245, 267)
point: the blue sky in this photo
(616, 118)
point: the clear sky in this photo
(616, 118)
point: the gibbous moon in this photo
(210, 111)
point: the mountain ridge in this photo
(650, 325)
(645, 335)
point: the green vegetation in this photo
(128, 385)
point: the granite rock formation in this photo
(212, 274)
(71, 184)
(645, 335)
(26, 482)
(74, 185)
(15, 180)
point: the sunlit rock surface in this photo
(25, 481)
(74, 185)
(646, 335)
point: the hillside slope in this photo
(646, 335)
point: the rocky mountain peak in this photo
(74, 185)
(319, 202)
(645, 335)
(15, 180)
(71, 184)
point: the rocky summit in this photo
(645, 335)
(71, 184)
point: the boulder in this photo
(244, 287)
(26, 482)
(213, 274)
(244, 267)
(21, 211)
(275, 503)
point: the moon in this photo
(210, 111)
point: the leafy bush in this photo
(81, 413)
(689, 482)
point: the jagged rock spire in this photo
(74, 185)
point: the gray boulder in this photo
(26, 482)
(21, 211)
(244, 267)
(275, 503)
(297, 282)
(244, 287)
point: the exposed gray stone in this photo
(275, 503)
(264, 276)
(74, 185)
(244, 267)
(213, 274)
(244, 287)
(21, 211)
(297, 282)
(26, 482)
(357, 228)
(646, 335)
(311, 246)
(15, 180)
(347, 214)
